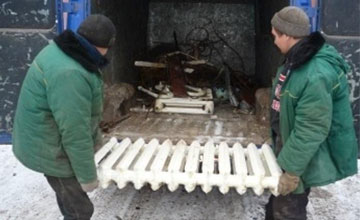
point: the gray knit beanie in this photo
(292, 21)
(98, 30)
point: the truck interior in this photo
(225, 46)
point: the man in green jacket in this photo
(59, 110)
(311, 119)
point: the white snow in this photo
(25, 195)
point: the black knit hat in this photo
(98, 30)
(292, 21)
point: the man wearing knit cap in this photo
(311, 119)
(59, 110)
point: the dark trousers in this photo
(289, 207)
(73, 202)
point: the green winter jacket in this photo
(316, 122)
(57, 116)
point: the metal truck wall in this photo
(130, 18)
(224, 32)
(25, 28)
(340, 24)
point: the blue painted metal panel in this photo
(5, 138)
(25, 28)
(311, 7)
(17, 49)
(71, 13)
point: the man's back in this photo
(58, 95)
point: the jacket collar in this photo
(78, 48)
(304, 50)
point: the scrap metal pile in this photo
(176, 94)
(190, 74)
(181, 83)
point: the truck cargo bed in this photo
(226, 124)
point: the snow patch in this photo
(26, 195)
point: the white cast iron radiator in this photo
(210, 165)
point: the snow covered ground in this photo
(25, 195)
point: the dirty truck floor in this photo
(224, 125)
